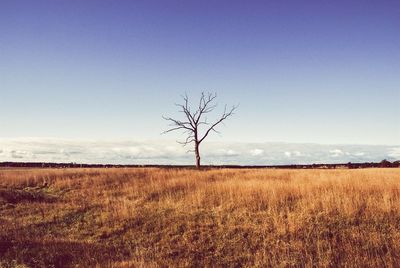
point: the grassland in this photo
(188, 218)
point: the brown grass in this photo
(186, 218)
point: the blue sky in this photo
(323, 72)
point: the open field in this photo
(172, 217)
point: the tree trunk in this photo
(197, 152)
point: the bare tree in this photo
(195, 120)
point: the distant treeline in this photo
(382, 164)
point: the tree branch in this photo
(189, 139)
(178, 124)
(204, 105)
(224, 116)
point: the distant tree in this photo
(385, 163)
(194, 120)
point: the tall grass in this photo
(187, 218)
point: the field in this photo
(144, 217)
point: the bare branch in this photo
(186, 110)
(205, 105)
(224, 116)
(189, 139)
(178, 125)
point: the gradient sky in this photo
(303, 71)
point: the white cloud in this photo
(297, 153)
(21, 154)
(224, 152)
(336, 152)
(257, 152)
(169, 152)
(231, 152)
(395, 152)
(293, 153)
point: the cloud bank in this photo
(168, 152)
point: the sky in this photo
(104, 72)
(213, 153)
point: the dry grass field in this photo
(188, 218)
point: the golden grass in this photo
(188, 218)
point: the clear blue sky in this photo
(302, 71)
